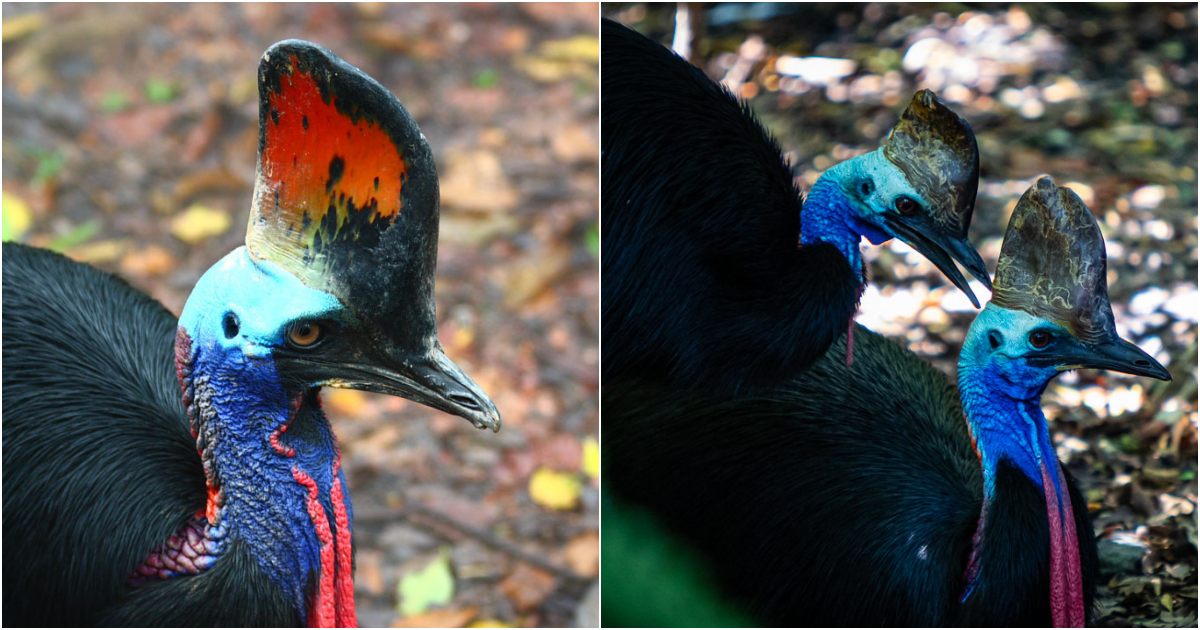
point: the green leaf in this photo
(113, 102)
(486, 79)
(593, 241)
(78, 235)
(49, 164)
(427, 587)
(159, 91)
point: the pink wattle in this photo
(1066, 581)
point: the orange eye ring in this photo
(305, 334)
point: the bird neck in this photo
(274, 476)
(1007, 423)
(828, 216)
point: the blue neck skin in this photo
(240, 404)
(1001, 395)
(829, 213)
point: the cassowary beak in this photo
(1117, 355)
(353, 360)
(941, 249)
(432, 379)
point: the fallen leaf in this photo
(438, 619)
(574, 143)
(99, 252)
(199, 223)
(526, 278)
(17, 215)
(579, 47)
(151, 260)
(17, 27)
(553, 70)
(475, 181)
(430, 586)
(527, 586)
(554, 490)
(583, 554)
(217, 180)
(591, 457)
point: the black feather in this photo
(846, 497)
(704, 284)
(99, 465)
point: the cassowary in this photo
(127, 503)
(877, 493)
(716, 276)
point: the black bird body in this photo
(701, 222)
(95, 434)
(877, 493)
(706, 284)
(848, 496)
(164, 471)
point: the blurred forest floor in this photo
(129, 141)
(1101, 97)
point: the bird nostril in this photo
(465, 401)
(230, 325)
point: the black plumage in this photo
(877, 493)
(847, 497)
(700, 229)
(89, 388)
(716, 274)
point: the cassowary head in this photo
(919, 187)
(1050, 310)
(335, 283)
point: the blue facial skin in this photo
(241, 402)
(1001, 395)
(848, 201)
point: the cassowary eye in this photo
(906, 206)
(1039, 339)
(304, 334)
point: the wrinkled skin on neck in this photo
(270, 456)
(1001, 393)
(847, 202)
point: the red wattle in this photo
(345, 560)
(1066, 584)
(323, 611)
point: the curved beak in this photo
(433, 380)
(920, 232)
(1117, 355)
(429, 378)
